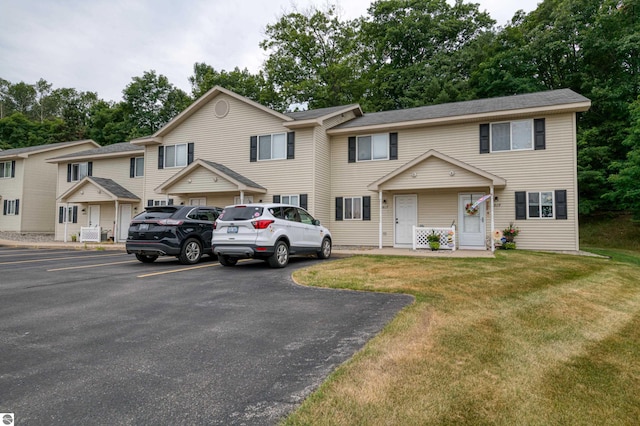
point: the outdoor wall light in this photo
(384, 202)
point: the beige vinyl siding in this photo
(201, 180)
(226, 141)
(544, 170)
(13, 189)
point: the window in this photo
(272, 147)
(151, 203)
(79, 171)
(68, 214)
(512, 136)
(248, 199)
(353, 208)
(7, 169)
(11, 207)
(294, 200)
(374, 147)
(137, 167)
(175, 155)
(540, 205)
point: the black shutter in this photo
(485, 132)
(17, 206)
(161, 157)
(170, 202)
(291, 145)
(149, 203)
(90, 168)
(352, 149)
(521, 205)
(253, 149)
(190, 152)
(339, 214)
(13, 168)
(276, 199)
(366, 208)
(69, 172)
(539, 134)
(393, 146)
(60, 214)
(75, 214)
(303, 201)
(4, 207)
(561, 204)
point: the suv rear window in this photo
(156, 213)
(240, 213)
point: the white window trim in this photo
(67, 215)
(553, 205)
(6, 166)
(344, 208)
(271, 136)
(75, 171)
(289, 202)
(11, 208)
(138, 173)
(386, 135)
(531, 148)
(175, 156)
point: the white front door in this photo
(123, 221)
(472, 226)
(94, 215)
(406, 217)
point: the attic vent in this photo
(221, 108)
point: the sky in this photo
(100, 45)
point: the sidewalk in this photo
(337, 251)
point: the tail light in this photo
(170, 222)
(215, 225)
(262, 224)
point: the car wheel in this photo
(146, 258)
(227, 261)
(191, 252)
(325, 249)
(280, 257)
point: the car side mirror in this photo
(316, 222)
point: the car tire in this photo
(191, 252)
(146, 258)
(227, 261)
(325, 249)
(280, 256)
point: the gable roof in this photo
(114, 190)
(30, 150)
(114, 150)
(490, 177)
(243, 183)
(315, 117)
(563, 100)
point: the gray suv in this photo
(271, 232)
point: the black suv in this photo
(180, 231)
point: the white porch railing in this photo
(447, 237)
(90, 234)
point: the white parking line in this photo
(57, 258)
(189, 268)
(91, 266)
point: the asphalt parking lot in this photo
(96, 337)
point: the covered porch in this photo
(437, 191)
(213, 184)
(96, 209)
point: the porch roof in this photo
(96, 189)
(456, 173)
(229, 179)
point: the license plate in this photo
(144, 227)
(232, 230)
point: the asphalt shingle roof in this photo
(505, 103)
(108, 149)
(114, 188)
(26, 150)
(237, 176)
(315, 113)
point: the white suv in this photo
(270, 232)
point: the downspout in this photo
(380, 220)
(493, 246)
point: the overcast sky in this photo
(100, 45)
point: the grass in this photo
(525, 338)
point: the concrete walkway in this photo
(337, 251)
